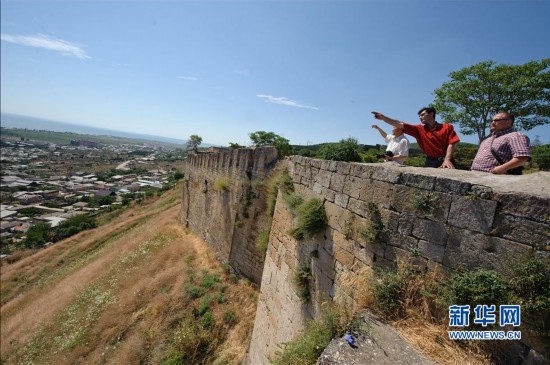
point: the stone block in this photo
(405, 224)
(387, 174)
(344, 257)
(392, 221)
(362, 171)
(468, 250)
(482, 191)
(396, 254)
(522, 230)
(337, 217)
(473, 214)
(328, 194)
(357, 206)
(405, 200)
(337, 182)
(323, 178)
(317, 188)
(341, 200)
(353, 186)
(532, 207)
(431, 251)
(376, 249)
(455, 187)
(325, 261)
(378, 192)
(418, 180)
(343, 168)
(429, 230)
(405, 242)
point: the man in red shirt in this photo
(436, 140)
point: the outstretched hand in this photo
(378, 115)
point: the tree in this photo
(345, 150)
(261, 138)
(235, 146)
(476, 93)
(194, 142)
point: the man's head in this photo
(396, 131)
(501, 121)
(427, 115)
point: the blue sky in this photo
(310, 71)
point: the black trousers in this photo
(436, 161)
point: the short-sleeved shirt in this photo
(433, 141)
(506, 144)
(398, 145)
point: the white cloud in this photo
(189, 78)
(281, 100)
(45, 42)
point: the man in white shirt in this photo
(398, 144)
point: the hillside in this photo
(138, 289)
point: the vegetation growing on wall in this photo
(280, 179)
(311, 219)
(302, 278)
(410, 298)
(373, 230)
(424, 202)
(222, 184)
(313, 339)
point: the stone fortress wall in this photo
(446, 219)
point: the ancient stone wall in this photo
(223, 201)
(445, 219)
(448, 220)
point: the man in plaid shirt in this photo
(505, 150)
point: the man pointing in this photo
(436, 140)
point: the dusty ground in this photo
(117, 295)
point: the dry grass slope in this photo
(138, 289)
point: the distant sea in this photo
(21, 121)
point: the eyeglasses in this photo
(500, 120)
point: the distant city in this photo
(21, 121)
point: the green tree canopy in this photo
(476, 93)
(262, 138)
(345, 150)
(194, 142)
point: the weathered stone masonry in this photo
(470, 220)
(229, 219)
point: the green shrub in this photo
(389, 291)
(207, 320)
(194, 291)
(222, 184)
(313, 339)
(292, 200)
(311, 219)
(479, 287)
(424, 202)
(530, 286)
(280, 180)
(209, 280)
(345, 150)
(301, 281)
(541, 156)
(204, 305)
(263, 240)
(229, 317)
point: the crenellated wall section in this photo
(223, 201)
(448, 220)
